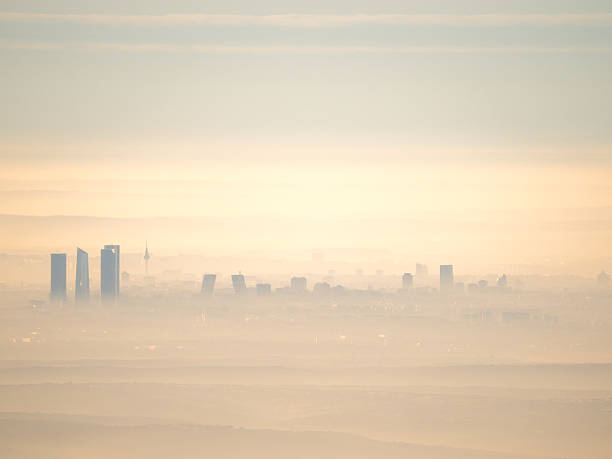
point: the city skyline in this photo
(331, 229)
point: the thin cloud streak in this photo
(296, 49)
(315, 20)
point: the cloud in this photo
(293, 49)
(315, 20)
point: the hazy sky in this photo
(392, 109)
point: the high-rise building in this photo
(421, 270)
(58, 276)
(109, 272)
(299, 284)
(117, 251)
(208, 284)
(407, 281)
(321, 288)
(446, 277)
(81, 284)
(239, 284)
(263, 289)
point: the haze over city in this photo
(306, 229)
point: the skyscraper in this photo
(58, 276)
(299, 284)
(81, 284)
(208, 284)
(421, 270)
(407, 281)
(263, 289)
(117, 251)
(239, 284)
(109, 272)
(446, 277)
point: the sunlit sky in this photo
(442, 111)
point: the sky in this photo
(492, 113)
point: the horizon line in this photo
(289, 20)
(157, 47)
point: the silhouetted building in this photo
(421, 270)
(502, 282)
(483, 283)
(299, 284)
(321, 288)
(446, 277)
(472, 288)
(81, 284)
(125, 277)
(239, 284)
(263, 289)
(147, 257)
(208, 284)
(407, 281)
(117, 251)
(109, 272)
(58, 276)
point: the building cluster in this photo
(110, 279)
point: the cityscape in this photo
(111, 275)
(323, 229)
(304, 357)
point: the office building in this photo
(58, 276)
(446, 277)
(263, 289)
(321, 288)
(298, 284)
(81, 284)
(117, 251)
(407, 281)
(208, 284)
(239, 284)
(109, 272)
(421, 270)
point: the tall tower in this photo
(407, 281)
(208, 284)
(147, 255)
(109, 272)
(117, 251)
(239, 284)
(58, 276)
(446, 277)
(81, 285)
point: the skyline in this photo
(338, 229)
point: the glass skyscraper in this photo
(81, 284)
(109, 272)
(58, 276)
